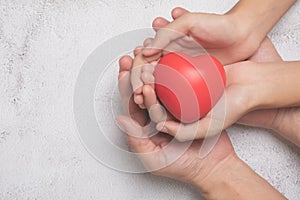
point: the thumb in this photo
(186, 132)
(129, 126)
(164, 36)
(135, 137)
(178, 12)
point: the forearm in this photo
(258, 17)
(278, 85)
(233, 179)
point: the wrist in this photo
(217, 178)
(244, 25)
(259, 20)
(233, 179)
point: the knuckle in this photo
(181, 137)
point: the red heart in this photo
(188, 86)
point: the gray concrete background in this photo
(42, 47)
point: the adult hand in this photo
(238, 103)
(231, 37)
(188, 167)
(238, 99)
(223, 36)
(191, 33)
(221, 174)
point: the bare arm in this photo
(233, 179)
(278, 85)
(258, 16)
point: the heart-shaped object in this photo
(188, 86)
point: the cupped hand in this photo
(194, 34)
(238, 100)
(270, 118)
(223, 36)
(160, 153)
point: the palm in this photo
(162, 154)
(235, 106)
(185, 166)
(219, 39)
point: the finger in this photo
(138, 50)
(156, 111)
(159, 22)
(130, 126)
(125, 63)
(142, 106)
(178, 12)
(136, 72)
(147, 41)
(148, 78)
(128, 105)
(124, 85)
(149, 68)
(211, 124)
(154, 58)
(138, 99)
(170, 32)
(141, 145)
(182, 132)
(125, 90)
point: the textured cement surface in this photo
(42, 47)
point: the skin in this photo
(214, 32)
(220, 175)
(238, 94)
(251, 24)
(279, 89)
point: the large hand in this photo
(239, 97)
(155, 151)
(285, 121)
(222, 36)
(191, 33)
(220, 175)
